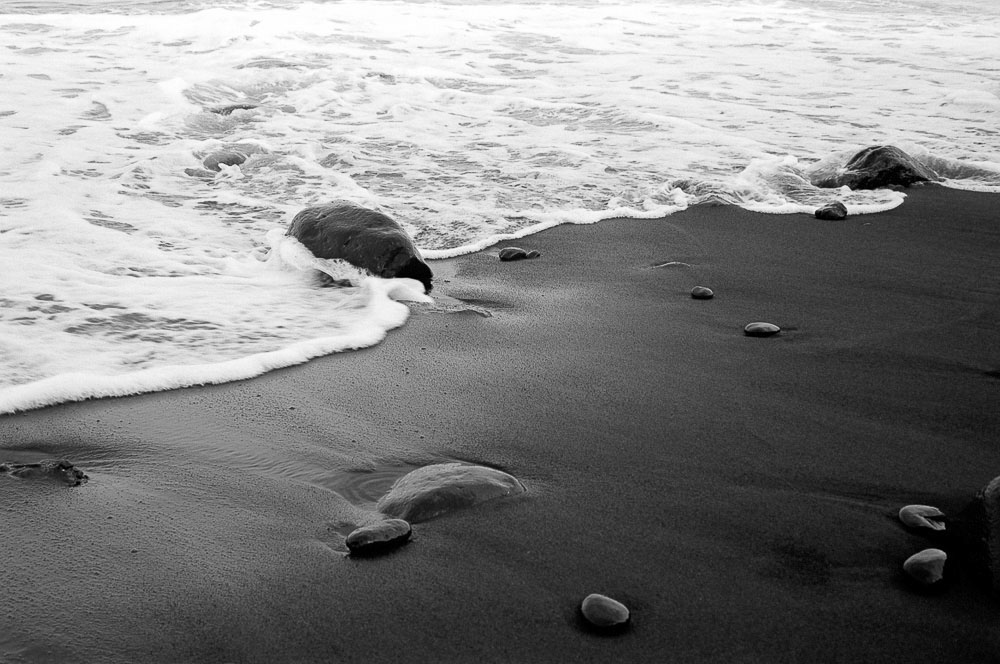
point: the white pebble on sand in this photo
(761, 329)
(927, 566)
(603, 612)
(922, 516)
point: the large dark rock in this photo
(980, 533)
(362, 237)
(880, 166)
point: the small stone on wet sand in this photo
(604, 613)
(378, 538)
(926, 567)
(833, 211)
(702, 293)
(922, 516)
(761, 329)
(516, 254)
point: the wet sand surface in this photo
(738, 494)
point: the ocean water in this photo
(129, 267)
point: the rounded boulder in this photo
(364, 238)
(438, 489)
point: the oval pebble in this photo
(926, 567)
(603, 612)
(702, 293)
(445, 487)
(922, 516)
(516, 254)
(761, 329)
(379, 537)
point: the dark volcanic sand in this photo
(739, 495)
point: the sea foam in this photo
(126, 258)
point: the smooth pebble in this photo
(379, 537)
(603, 612)
(922, 516)
(516, 254)
(761, 329)
(927, 566)
(702, 293)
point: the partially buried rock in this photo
(364, 238)
(228, 110)
(517, 254)
(922, 516)
(702, 293)
(880, 166)
(379, 538)
(59, 470)
(441, 488)
(603, 613)
(215, 161)
(761, 329)
(833, 211)
(926, 567)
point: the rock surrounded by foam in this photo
(880, 166)
(761, 329)
(833, 211)
(230, 108)
(364, 238)
(216, 160)
(604, 613)
(922, 516)
(434, 490)
(926, 567)
(379, 537)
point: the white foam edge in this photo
(385, 314)
(547, 221)
(807, 208)
(971, 185)
(384, 308)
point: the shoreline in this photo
(738, 494)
